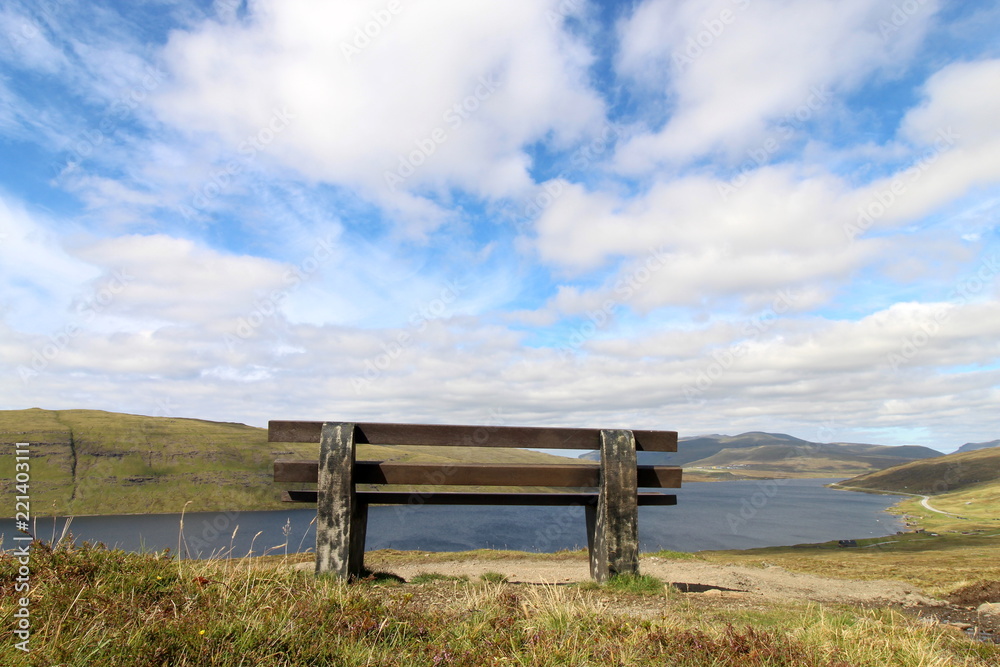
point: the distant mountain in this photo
(973, 446)
(943, 474)
(761, 453)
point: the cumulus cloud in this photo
(398, 100)
(705, 239)
(733, 67)
(40, 276)
(956, 148)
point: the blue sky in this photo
(710, 217)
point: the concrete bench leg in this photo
(359, 529)
(340, 520)
(613, 525)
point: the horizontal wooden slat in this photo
(465, 498)
(477, 474)
(471, 436)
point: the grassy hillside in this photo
(95, 462)
(702, 447)
(939, 475)
(758, 454)
(963, 492)
(813, 459)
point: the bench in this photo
(608, 489)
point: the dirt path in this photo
(689, 576)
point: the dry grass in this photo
(94, 606)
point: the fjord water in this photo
(718, 515)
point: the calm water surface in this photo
(718, 515)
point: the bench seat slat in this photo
(478, 474)
(471, 436)
(472, 498)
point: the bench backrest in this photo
(536, 437)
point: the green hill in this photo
(943, 474)
(757, 454)
(95, 462)
(964, 490)
(819, 459)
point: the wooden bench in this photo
(611, 495)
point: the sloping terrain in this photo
(757, 453)
(940, 475)
(828, 460)
(973, 446)
(95, 462)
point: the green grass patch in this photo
(640, 584)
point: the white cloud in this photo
(27, 45)
(458, 88)
(956, 147)
(174, 280)
(779, 229)
(732, 67)
(40, 277)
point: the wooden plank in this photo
(615, 525)
(335, 510)
(474, 498)
(659, 477)
(478, 474)
(471, 436)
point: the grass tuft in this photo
(637, 584)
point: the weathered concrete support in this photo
(337, 513)
(359, 530)
(613, 526)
